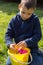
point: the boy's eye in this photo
(29, 13)
(23, 12)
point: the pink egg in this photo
(22, 51)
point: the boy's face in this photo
(25, 13)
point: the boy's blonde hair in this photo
(29, 3)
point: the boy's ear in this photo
(19, 6)
(34, 9)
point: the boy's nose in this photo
(25, 16)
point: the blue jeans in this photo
(37, 59)
(8, 61)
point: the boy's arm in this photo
(32, 42)
(9, 34)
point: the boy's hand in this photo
(21, 44)
(12, 47)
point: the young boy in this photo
(26, 31)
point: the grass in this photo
(7, 11)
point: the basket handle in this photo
(24, 62)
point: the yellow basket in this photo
(20, 59)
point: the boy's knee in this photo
(8, 61)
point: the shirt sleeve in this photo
(32, 41)
(9, 33)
